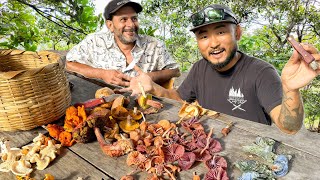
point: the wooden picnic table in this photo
(89, 162)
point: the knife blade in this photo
(95, 102)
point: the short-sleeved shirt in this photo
(100, 50)
(249, 90)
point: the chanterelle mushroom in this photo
(51, 150)
(21, 168)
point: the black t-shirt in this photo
(249, 90)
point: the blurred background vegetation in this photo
(60, 24)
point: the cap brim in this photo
(136, 6)
(222, 21)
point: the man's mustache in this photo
(130, 30)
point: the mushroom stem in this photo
(208, 141)
(142, 90)
(170, 174)
(144, 119)
(168, 130)
(183, 117)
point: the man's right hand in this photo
(115, 77)
(143, 79)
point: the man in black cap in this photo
(229, 81)
(116, 55)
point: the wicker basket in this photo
(33, 89)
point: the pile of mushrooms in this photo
(42, 151)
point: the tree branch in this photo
(46, 15)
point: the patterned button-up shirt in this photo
(100, 50)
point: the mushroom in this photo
(16, 152)
(5, 147)
(40, 138)
(42, 163)
(49, 177)
(119, 101)
(119, 113)
(135, 114)
(195, 176)
(35, 149)
(103, 92)
(9, 161)
(129, 124)
(51, 150)
(21, 168)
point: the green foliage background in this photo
(59, 24)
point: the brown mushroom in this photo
(103, 92)
(119, 113)
(119, 101)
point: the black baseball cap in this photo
(115, 5)
(211, 14)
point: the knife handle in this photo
(91, 103)
(308, 58)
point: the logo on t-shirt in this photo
(236, 98)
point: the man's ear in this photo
(238, 32)
(109, 24)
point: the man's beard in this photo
(226, 62)
(125, 40)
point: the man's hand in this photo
(115, 77)
(297, 73)
(144, 80)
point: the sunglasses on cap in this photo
(212, 14)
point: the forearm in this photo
(164, 75)
(84, 70)
(162, 92)
(291, 113)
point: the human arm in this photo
(150, 87)
(296, 74)
(109, 76)
(163, 76)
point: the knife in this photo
(95, 102)
(308, 58)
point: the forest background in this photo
(60, 24)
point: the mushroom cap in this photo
(105, 91)
(142, 101)
(21, 168)
(43, 163)
(128, 125)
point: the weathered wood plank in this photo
(66, 166)
(82, 90)
(304, 140)
(21, 138)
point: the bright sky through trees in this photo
(101, 4)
